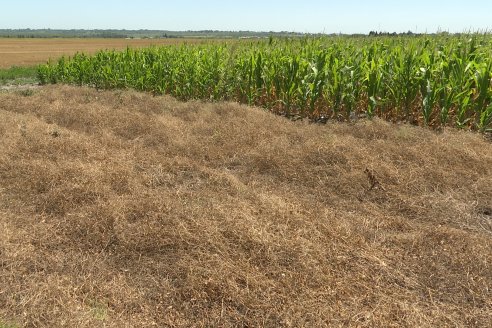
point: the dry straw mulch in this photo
(118, 209)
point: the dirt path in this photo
(19, 87)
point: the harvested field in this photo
(119, 209)
(27, 52)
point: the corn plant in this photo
(437, 81)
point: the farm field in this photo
(29, 52)
(433, 81)
(124, 209)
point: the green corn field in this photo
(434, 81)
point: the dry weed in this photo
(118, 209)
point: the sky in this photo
(307, 16)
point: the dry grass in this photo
(122, 210)
(27, 52)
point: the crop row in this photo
(435, 81)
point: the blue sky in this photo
(346, 16)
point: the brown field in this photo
(26, 52)
(119, 209)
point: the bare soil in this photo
(119, 209)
